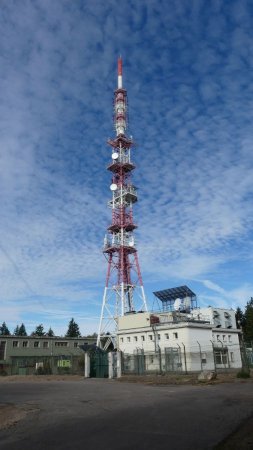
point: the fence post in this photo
(86, 365)
(200, 354)
(185, 364)
(119, 364)
(110, 365)
(214, 358)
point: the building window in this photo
(128, 339)
(121, 339)
(203, 358)
(232, 359)
(45, 344)
(150, 337)
(218, 337)
(224, 337)
(61, 344)
(166, 335)
(143, 338)
(36, 344)
(175, 335)
(221, 357)
(135, 338)
(15, 344)
(2, 349)
(159, 337)
(25, 343)
(75, 344)
(229, 338)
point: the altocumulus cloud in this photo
(188, 74)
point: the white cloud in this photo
(190, 107)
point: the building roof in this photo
(173, 293)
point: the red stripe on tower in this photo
(120, 66)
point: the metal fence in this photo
(177, 360)
(39, 365)
(142, 363)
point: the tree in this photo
(39, 331)
(240, 318)
(50, 332)
(73, 329)
(16, 331)
(4, 330)
(248, 326)
(22, 330)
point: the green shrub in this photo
(243, 373)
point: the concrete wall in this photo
(194, 335)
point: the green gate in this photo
(99, 365)
(139, 363)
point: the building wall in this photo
(225, 335)
(195, 336)
(31, 350)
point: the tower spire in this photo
(124, 291)
(120, 72)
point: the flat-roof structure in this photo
(169, 296)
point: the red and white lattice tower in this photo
(124, 292)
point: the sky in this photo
(188, 71)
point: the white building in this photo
(202, 339)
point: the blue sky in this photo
(188, 68)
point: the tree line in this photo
(244, 321)
(72, 331)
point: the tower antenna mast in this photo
(124, 291)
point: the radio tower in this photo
(124, 292)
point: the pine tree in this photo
(39, 331)
(73, 329)
(22, 330)
(50, 332)
(248, 327)
(240, 318)
(4, 330)
(16, 331)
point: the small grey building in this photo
(26, 355)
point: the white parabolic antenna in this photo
(115, 155)
(113, 187)
(187, 303)
(177, 304)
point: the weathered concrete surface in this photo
(102, 414)
(207, 375)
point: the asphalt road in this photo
(102, 414)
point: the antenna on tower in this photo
(119, 72)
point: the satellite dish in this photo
(177, 304)
(115, 155)
(187, 303)
(113, 187)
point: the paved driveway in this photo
(103, 414)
